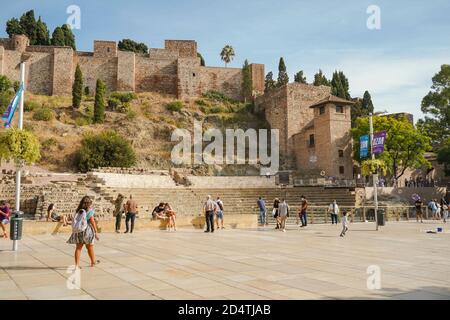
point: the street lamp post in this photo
(375, 175)
(18, 161)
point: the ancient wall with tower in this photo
(173, 70)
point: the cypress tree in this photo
(299, 77)
(69, 37)
(320, 79)
(13, 27)
(367, 105)
(345, 85)
(42, 33)
(58, 37)
(29, 26)
(77, 88)
(283, 77)
(247, 81)
(99, 104)
(269, 83)
(337, 87)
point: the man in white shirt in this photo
(210, 209)
(333, 209)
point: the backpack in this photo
(79, 223)
(220, 205)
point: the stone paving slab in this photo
(263, 263)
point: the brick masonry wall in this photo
(258, 76)
(126, 66)
(63, 69)
(189, 77)
(156, 75)
(94, 68)
(226, 80)
(184, 48)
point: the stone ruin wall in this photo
(174, 70)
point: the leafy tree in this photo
(69, 37)
(283, 77)
(299, 77)
(227, 54)
(269, 83)
(42, 33)
(436, 106)
(320, 79)
(13, 27)
(58, 37)
(107, 149)
(405, 146)
(370, 166)
(29, 26)
(20, 145)
(247, 81)
(130, 45)
(99, 104)
(77, 88)
(443, 156)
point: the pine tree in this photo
(337, 87)
(77, 88)
(42, 33)
(283, 77)
(246, 81)
(29, 26)
(269, 83)
(367, 105)
(99, 104)
(299, 77)
(69, 37)
(13, 27)
(320, 79)
(58, 38)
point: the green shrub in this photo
(49, 143)
(86, 91)
(82, 121)
(201, 102)
(124, 108)
(31, 106)
(5, 84)
(43, 114)
(107, 149)
(19, 144)
(123, 96)
(217, 96)
(175, 106)
(131, 115)
(113, 104)
(5, 99)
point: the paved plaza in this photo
(312, 263)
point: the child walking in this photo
(344, 223)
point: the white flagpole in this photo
(18, 162)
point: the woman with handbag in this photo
(84, 231)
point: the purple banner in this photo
(378, 142)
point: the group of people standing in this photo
(129, 209)
(439, 209)
(213, 209)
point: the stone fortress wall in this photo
(173, 70)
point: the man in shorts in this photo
(418, 204)
(5, 213)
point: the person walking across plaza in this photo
(333, 209)
(418, 204)
(219, 213)
(210, 209)
(303, 215)
(5, 213)
(118, 205)
(444, 208)
(84, 231)
(275, 211)
(344, 223)
(131, 208)
(262, 211)
(283, 213)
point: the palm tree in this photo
(227, 54)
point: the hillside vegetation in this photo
(146, 120)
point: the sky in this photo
(394, 63)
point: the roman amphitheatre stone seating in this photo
(231, 182)
(162, 180)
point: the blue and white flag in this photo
(9, 113)
(363, 146)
